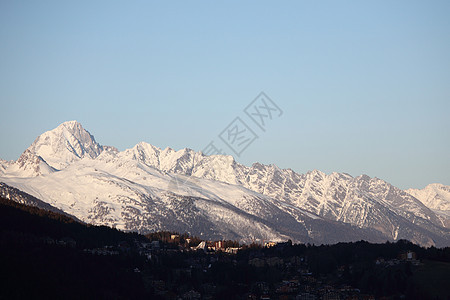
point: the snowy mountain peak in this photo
(65, 144)
(4, 164)
(435, 196)
(71, 124)
(146, 188)
(168, 150)
(364, 177)
(30, 165)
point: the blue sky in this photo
(364, 86)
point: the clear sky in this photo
(364, 86)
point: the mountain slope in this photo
(18, 196)
(437, 197)
(29, 165)
(4, 164)
(131, 196)
(65, 144)
(41, 256)
(315, 191)
(362, 201)
(146, 188)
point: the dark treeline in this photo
(355, 264)
(37, 263)
(43, 255)
(16, 217)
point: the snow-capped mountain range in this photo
(437, 197)
(146, 188)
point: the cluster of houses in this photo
(150, 248)
(407, 256)
(107, 250)
(299, 282)
(64, 242)
(215, 246)
(304, 288)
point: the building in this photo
(201, 246)
(408, 255)
(231, 250)
(269, 244)
(218, 245)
